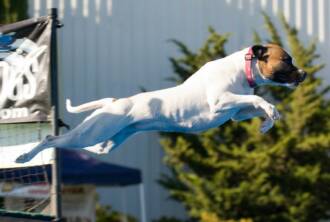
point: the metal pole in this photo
(56, 170)
(124, 216)
(142, 203)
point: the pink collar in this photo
(248, 68)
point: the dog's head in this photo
(276, 66)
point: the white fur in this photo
(216, 93)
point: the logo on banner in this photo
(19, 81)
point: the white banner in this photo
(10, 153)
(15, 190)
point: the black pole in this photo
(56, 170)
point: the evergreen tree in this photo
(234, 173)
(106, 214)
(12, 11)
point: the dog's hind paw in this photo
(25, 157)
(106, 147)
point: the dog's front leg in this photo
(230, 100)
(250, 112)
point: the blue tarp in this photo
(77, 168)
(80, 168)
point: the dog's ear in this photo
(259, 51)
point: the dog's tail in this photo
(87, 106)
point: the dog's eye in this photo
(264, 58)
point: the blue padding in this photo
(5, 41)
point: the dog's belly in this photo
(204, 121)
(196, 123)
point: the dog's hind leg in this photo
(115, 141)
(86, 134)
(124, 134)
(49, 141)
(102, 125)
(71, 140)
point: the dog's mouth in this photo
(290, 85)
(290, 79)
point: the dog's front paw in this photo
(25, 157)
(266, 125)
(271, 111)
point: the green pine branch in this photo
(234, 173)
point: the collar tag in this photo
(248, 57)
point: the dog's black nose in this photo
(302, 75)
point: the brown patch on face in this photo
(271, 59)
(276, 64)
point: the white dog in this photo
(219, 91)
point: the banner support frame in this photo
(56, 169)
